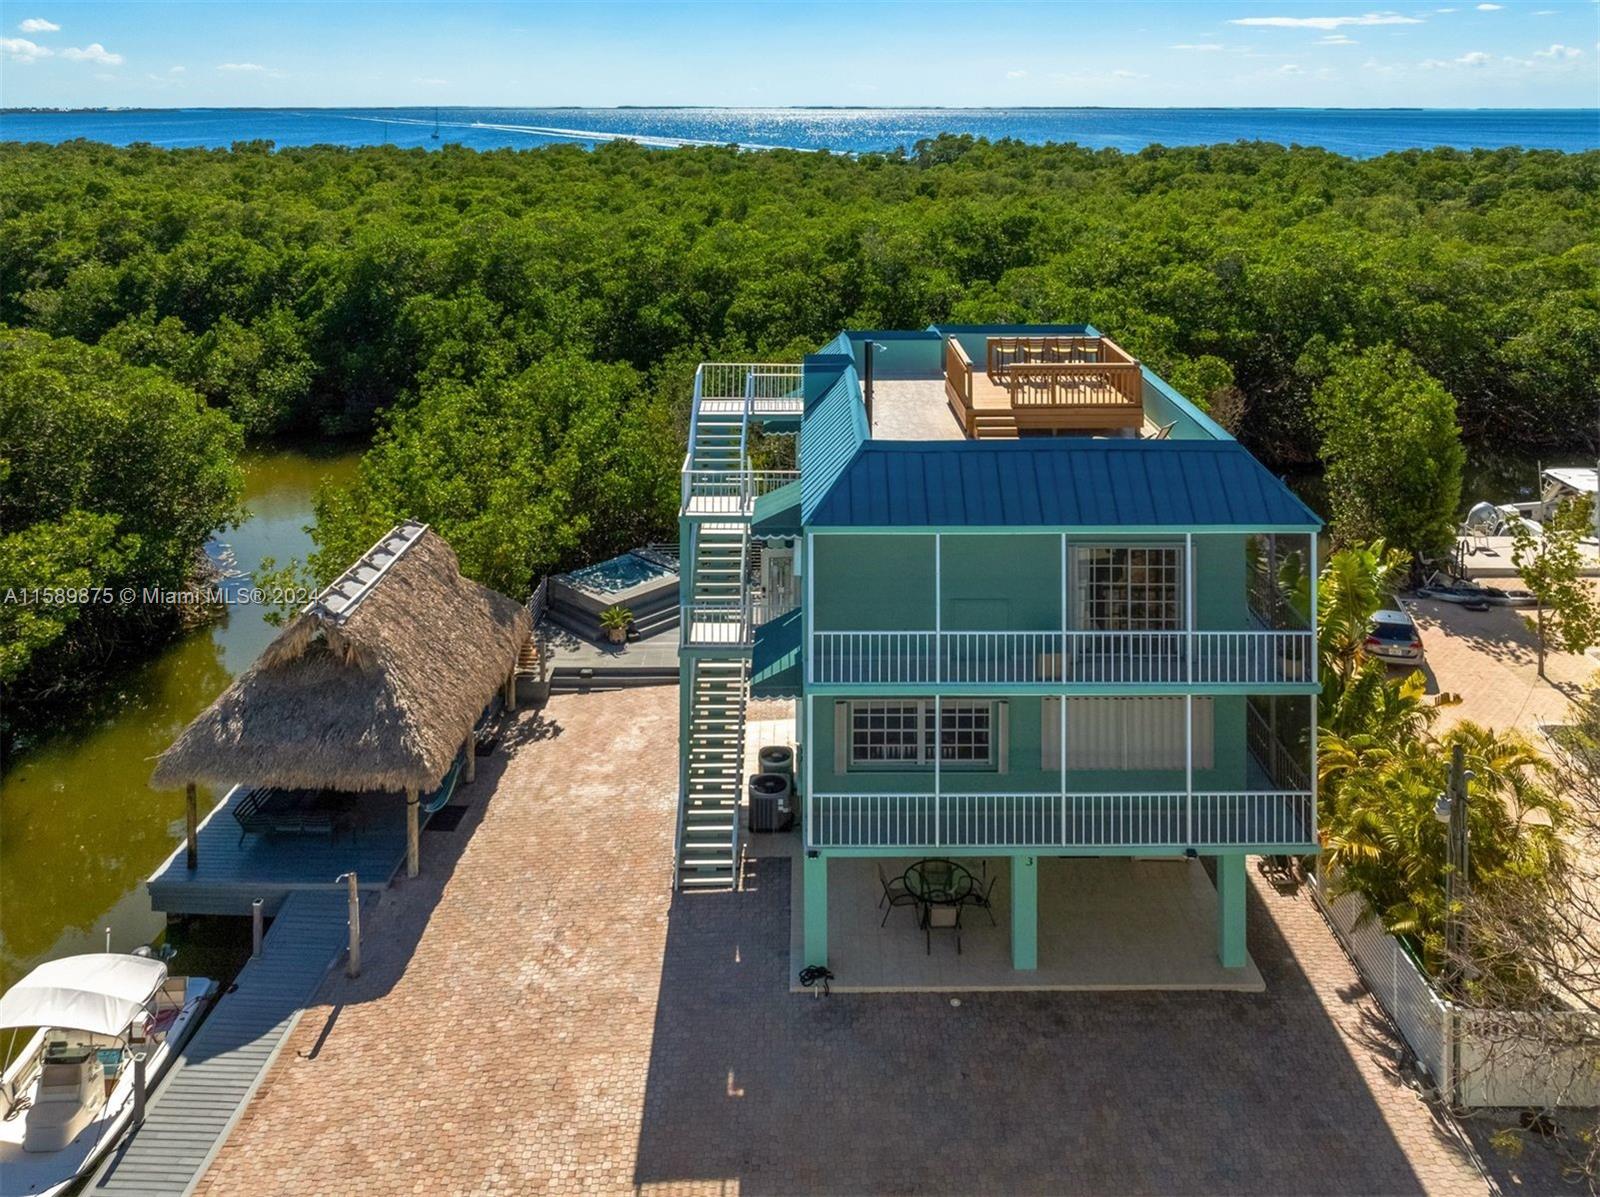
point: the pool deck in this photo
(231, 873)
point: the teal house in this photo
(1030, 604)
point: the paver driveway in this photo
(539, 1015)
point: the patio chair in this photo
(980, 896)
(895, 894)
(942, 917)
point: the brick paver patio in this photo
(539, 1015)
(1490, 658)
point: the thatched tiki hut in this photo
(375, 685)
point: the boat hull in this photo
(46, 1174)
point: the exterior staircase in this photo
(714, 773)
(714, 657)
(994, 424)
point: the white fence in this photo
(1476, 1058)
(1047, 657)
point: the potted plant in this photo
(615, 621)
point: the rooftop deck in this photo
(232, 871)
(1044, 384)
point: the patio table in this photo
(938, 882)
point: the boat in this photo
(436, 124)
(1473, 595)
(70, 1094)
(1556, 486)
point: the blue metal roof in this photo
(1056, 482)
(833, 428)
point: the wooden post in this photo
(352, 964)
(511, 690)
(470, 770)
(191, 827)
(413, 838)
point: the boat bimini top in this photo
(101, 993)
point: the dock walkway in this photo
(214, 1077)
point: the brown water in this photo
(79, 828)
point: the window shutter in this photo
(1002, 731)
(841, 737)
(1050, 734)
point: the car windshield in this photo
(1393, 631)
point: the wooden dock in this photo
(210, 1084)
(233, 870)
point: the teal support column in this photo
(1231, 886)
(1024, 912)
(816, 909)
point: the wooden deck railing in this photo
(958, 373)
(1064, 371)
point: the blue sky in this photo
(1515, 53)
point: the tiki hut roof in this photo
(374, 685)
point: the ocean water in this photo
(1358, 132)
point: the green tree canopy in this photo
(1392, 450)
(564, 462)
(111, 476)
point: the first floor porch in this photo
(1058, 923)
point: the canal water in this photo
(82, 828)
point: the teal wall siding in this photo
(993, 581)
(1001, 583)
(1221, 575)
(1025, 773)
(872, 583)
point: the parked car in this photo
(1393, 636)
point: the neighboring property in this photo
(1078, 623)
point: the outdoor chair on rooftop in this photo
(895, 894)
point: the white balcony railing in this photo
(725, 623)
(763, 388)
(1170, 820)
(729, 492)
(1076, 657)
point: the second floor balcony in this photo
(1179, 659)
(947, 612)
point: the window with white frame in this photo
(1129, 587)
(890, 732)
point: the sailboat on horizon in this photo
(436, 124)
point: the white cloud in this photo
(1337, 39)
(39, 25)
(1559, 53)
(1128, 75)
(1545, 12)
(1490, 7)
(1473, 58)
(93, 52)
(1199, 46)
(20, 49)
(439, 82)
(177, 70)
(1442, 10)
(240, 66)
(1371, 18)
(1016, 74)
(1289, 68)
